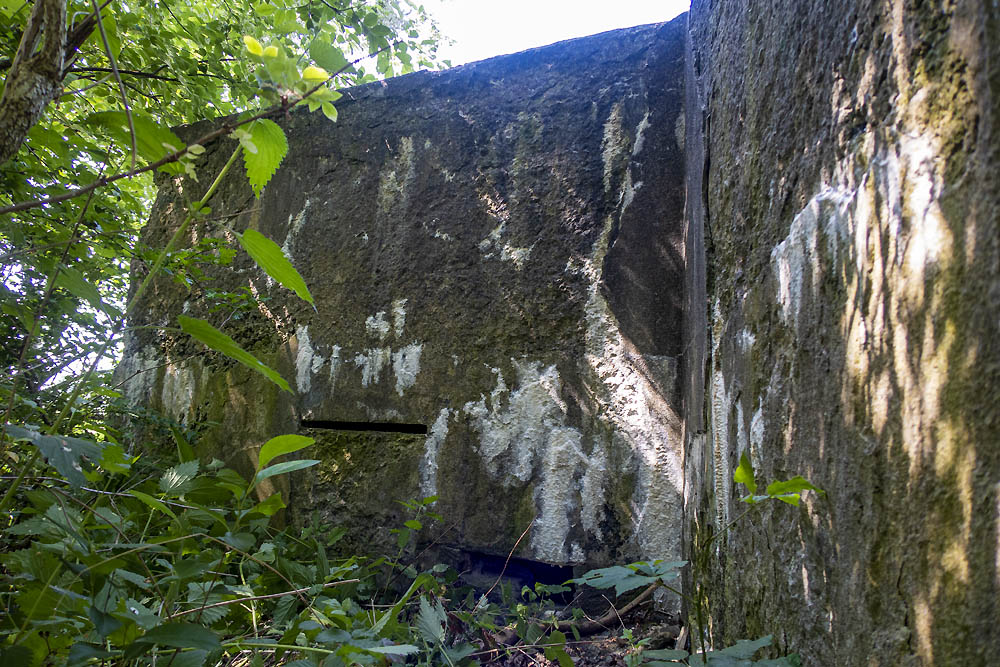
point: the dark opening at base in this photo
(483, 571)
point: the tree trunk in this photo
(35, 76)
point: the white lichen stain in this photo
(376, 325)
(294, 227)
(640, 131)
(799, 252)
(398, 316)
(335, 362)
(614, 145)
(496, 208)
(307, 361)
(178, 391)
(371, 362)
(395, 180)
(139, 372)
(757, 436)
(429, 466)
(720, 402)
(530, 439)
(406, 366)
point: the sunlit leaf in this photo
(220, 342)
(282, 444)
(271, 145)
(253, 46)
(268, 256)
(153, 142)
(744, 474)
(287, 466)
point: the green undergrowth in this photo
(113, 559)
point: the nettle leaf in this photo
(272, 146)
(174, 479)
(431, 622)
(282, 444)
(220, 342)
(152, 141)
(268, 256)
(62, 452)
(744, 474)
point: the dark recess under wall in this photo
(377, 427)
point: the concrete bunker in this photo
(495, 253)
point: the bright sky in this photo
(485, 28)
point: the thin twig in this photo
(509, 557)
(225, 129)
(118, 78)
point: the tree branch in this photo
(141, 75)
(35, 76)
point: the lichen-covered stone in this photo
(848, 194)
(495, 253)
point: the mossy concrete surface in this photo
(846, 189)
(495, 253)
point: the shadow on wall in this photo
(858, 344)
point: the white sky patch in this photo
(483, 29)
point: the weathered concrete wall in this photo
(848, 195)
(496, 253)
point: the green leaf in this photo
(315, 74)
(744, 474)
(413, 524)
(270, 506)
(269, 257)
(151, 141)
(194, 658)
(103, 622)
(282, 444)
(744, 649)
(62, 452)
(114, 460)
(253, 46)
(220, 342)
(184, 450)
(665, 654)
(327, 56)
(174, 479)
(182, 635)
(329, 111)
(558, 653)
(431, 622)
(794, 485)
(152, 502)
(287, 466)
(73, 282)
(623, 579)
(394, 649)
(272, 146)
